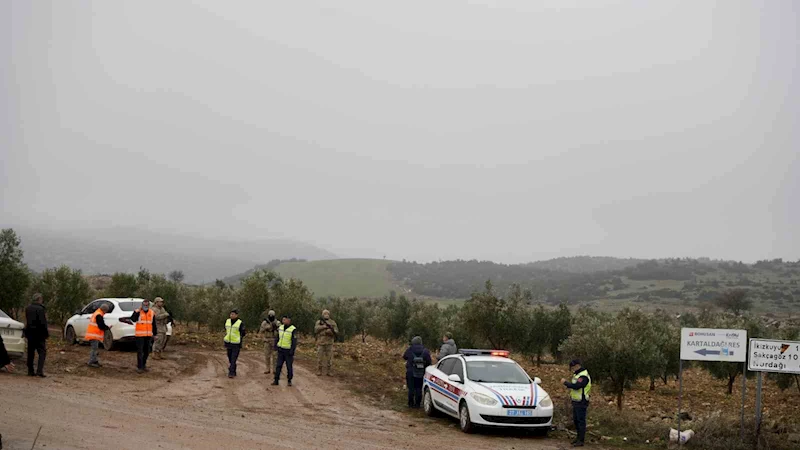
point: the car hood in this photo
(10, 323)
(512, 394)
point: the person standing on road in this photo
(448, 346)
(326, 331)
(269, 328)
(234, 333)
(161, 317)
(95, 333)
(417, 359)
(286, 344)
(579, 388)
(37, 333)
(144, 320)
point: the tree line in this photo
(619, 349)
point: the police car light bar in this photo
(479, 352)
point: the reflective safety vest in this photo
(232, 335)
(285, 337)
(93, 332)
(578, 395)
(144, 326)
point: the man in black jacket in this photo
(36, 332)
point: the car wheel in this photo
(427, 404)
(463, 418)
(69, 336)
(108, 340)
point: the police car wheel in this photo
(427, 403)
(463, 418)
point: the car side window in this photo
(458, 369)
(447, 365)
(90, 308)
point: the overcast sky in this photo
(508, 130)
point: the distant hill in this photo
(338, 277)
(111, 250)
(586, 264)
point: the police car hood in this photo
(509, 394)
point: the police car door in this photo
(447, 399)
(441, 372)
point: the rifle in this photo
(325, 322)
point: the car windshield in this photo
(129, 306)
(496, 372)
(3, 315)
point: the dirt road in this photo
(187, 402)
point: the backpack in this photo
(418, 366)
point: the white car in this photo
(11, 331)
(486, 388)
(75, 328)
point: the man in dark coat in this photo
(36, 332)
(417, 358)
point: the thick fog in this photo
(510, 131)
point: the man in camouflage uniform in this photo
(161, 317)
(269, 328)
(326, 331)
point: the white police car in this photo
(486, 388)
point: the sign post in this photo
(770, 355)
(711, 344)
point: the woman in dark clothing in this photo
(417, 359)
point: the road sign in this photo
(711, 344)
(769, 355)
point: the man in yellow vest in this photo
(144, 321)
(234, 334)
(95, 332)
(286, 344)
(579, 388)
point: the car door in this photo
(457, 387)
(440, 372)
(82, 322)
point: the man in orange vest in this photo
(143, 319)
(95, 333)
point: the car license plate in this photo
(519, 412)
(8, 331)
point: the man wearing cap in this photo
(234, 334)
(325, 331)
(286, 343)
(579, 388)
(269, 328)
(161, 316)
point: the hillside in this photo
(343, 277)
(773, 286)
(126, 250)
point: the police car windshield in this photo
(129, 306)
(496, 372)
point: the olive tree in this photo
(614, 350)
(14, 274)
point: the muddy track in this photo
(187, 401)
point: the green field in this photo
(343, 277)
